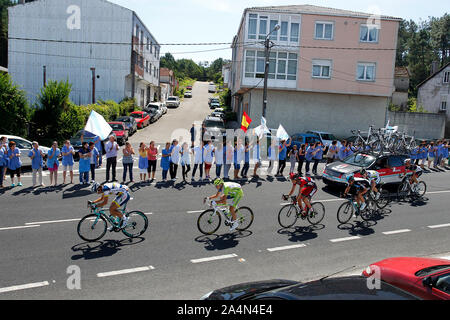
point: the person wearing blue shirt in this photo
(256, 157)
(98, 144)
(84, 163)
(53, 162)
(445, 152)
(431, 154)
(414, 155)
(165, 161)
(14, 163)
(318, 155)
(3, 162)
(94, 160)
(37, 163)
(422, 154)
(342, 152)
(309, 157)
(282, 156)
(67, 152)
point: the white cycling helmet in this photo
(95, 186)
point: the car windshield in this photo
(430, 270)
(136, 115)
(214, 100)
(172, 99)
(152, 107)
(326, 136)
(360, 160)
(123, 119)
(211, 123)
(116, 126)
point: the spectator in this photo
(246, 160)
(256, 157)
(342, 153)
(445, 153)
(238, 157)
(423, 151)
(208, 157)
(198, 160)
(439, 153)
(282, 156)
(14, 164)
(99, 145)
(143, 162)
(165, 161)
(185, 160)
(175, 154)
(228, 154)
(413, 155)
(152, 153)
(309, 157)
(67, 152)
(218, 155)
(192, 131)
(84, 163)
(94, 159)
(53, 162)
(293, 155)
(318, 155)
(332, 152)
(111, 157)
(431, 154)
(37, 163)
(301, 158)
(272, 153)
(127, 161)
(4, 150)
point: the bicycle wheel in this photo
(137, 224)
(245, 217)
(345, 212)
(288, 216)
(318, 213)
(402, 191)
(421, 189)
(369, 211)
(208, 222)
(92, 227)
(384, 199)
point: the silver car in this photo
(25, 147)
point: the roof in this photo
(433, 75)
(401, 72)
(3, 69)
(311, 9)
(165, 72)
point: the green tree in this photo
(14, 109)
(440, 37)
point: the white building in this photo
(64, 39)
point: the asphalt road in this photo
(173, 260)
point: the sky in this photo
(217, 21)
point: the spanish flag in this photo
(245, 122)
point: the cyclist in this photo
(361, 187)
(308, 189)
(414, 170)
(374, 179)
(228, 190)
(122, 194)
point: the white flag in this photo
(282, 134)
(259, 131)
(264, 125)
(97, 125)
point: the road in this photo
(173, 260)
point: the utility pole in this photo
(93, 85)
(267, 46)
(45, 75)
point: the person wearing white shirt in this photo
(239, 157)
(218, 154)
(185, 160)
(198, 160)
(208, 157)
(228, 158)
(175, 156)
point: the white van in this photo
(212, 88)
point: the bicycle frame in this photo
(103, 213)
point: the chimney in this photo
(434, 67)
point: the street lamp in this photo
(266, 70)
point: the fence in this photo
(420, 125)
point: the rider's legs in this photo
(113, 210)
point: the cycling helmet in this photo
(407, 161)
(350, 178)
(218, 182)
(293, 176)
(363, 172)
(95, 186)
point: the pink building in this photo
(330, 70)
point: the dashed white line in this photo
(437, 192)
(345, 239)
(445, 257)
(396, 231)
(439, 226)
(19, 227)
(226, 256)
(295, 246)
(52, 221)
(124, 271)
(195, 211)
(24, 286)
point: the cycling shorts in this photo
(308, 191)
(235, 196)
(121, 199)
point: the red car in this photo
(142, 118)
(426, 278)
(119, 129)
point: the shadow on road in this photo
(101, 249)
(300, 234)
(359, 228)
(224, 241)
(76, 191)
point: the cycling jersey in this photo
(307, 186)
(361, 183)
(233, 191)
(413, 169)
(121, 192)
(373, 175)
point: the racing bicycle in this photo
(209, 220)
(290, 213)
(346, 210)
(94, 226)
(407, 190)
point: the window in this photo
(294, 32)
(368, 33)
(151, 46)
(250, 64)
(148, 43)
(273, 35)
(284, 31)
(137, 31)
(252, 22)
(443, 283)
(324, 31)
(446, 77)
(262, 27)
(321, 69)
(366, 72)
(443, 105)
(282, 65)
(292, 66)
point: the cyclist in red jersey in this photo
(308, 189)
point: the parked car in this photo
(426, 278)
(388, 165)
(301, 138)
(120, 131)
(326, 138)
(188, 94)
(337, 288)
(155, 111)
(218, 114)
(130, 124)
(173, 101)
(213, 103)
(163, 107)
(189, 88)
(215, 127)
(212, 88)
(25, 147)
(75, 141)
(142, 118)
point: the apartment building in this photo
(104, 50)
(329, 69)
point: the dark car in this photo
(75, 141)
(130, 124)
(119, 131)
(339, 288)
(389, 166)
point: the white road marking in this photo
(20, 227)
(24, 286)
(439, 226)
(226, 256)
(124, 271)
(295, 246)
(195, 211)
(52, 221)
(345, 239)
(396, 231)
(436, 192)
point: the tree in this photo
(440, 37)
(14, 109)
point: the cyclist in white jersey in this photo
(122, 194)
(374, 179)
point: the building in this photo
(226, 71)
(167, 77)
(401, 84)
(65, 39)
(330, 69)
(433, 93)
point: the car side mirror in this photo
(428, 282)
